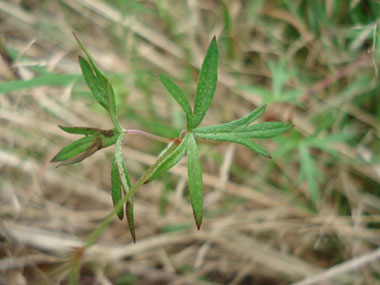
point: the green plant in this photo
(238, 131)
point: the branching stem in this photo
(94, 236)
(149, 135)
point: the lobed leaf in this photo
(236, 138)
(194, 172)
(208, 77)
(178, 95)
(234, 125)
(116, 187)
(172, 159)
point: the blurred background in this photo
(313, 206)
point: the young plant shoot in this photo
(240, 131)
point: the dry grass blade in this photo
(259, 225)
(345, 267)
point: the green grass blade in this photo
(208, 77)
(93, 83)
(234, 137)
(194, 171)
(178, 95)
(44, 80)
(309, 171)
(237, 124)
(172, 159)
(116, 187)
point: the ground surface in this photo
(312, 211)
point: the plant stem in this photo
(149, 135)
(94, 236)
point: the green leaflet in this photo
(82, 148)
(99, 85)
(97, 71)
(116, 187)
(263, 130)
(177, 94)
(129, 206)
(208, 77)
(172, 159)
(234, 125)
(75, 148)
(108, 141)
(194, 172)
(112, 106)
(236, 138)
(98, 90)
(87, 131)
(125, 182)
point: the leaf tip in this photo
(76, 37)
(199, 225)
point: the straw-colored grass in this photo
(260, 224)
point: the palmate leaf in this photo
(178, 95)
(234, 125)
(208, 77)
(194, 172)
